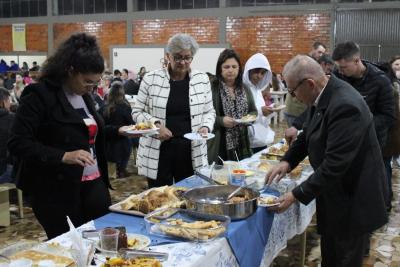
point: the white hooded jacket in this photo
(260, 134)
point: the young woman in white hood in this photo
(256, 76)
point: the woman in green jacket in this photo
(232, 100)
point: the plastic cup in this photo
(109, 239)
(238, 177)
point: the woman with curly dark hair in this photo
(59, 139)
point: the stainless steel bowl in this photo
(212, 200)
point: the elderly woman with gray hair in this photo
(178, 100)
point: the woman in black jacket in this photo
(6, 120)
(116, 114)
(59, 139)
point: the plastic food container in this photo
(186, 224)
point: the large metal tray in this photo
(160, 223)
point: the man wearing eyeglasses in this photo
(349, 178)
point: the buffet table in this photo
(254, 241)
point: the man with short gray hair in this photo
(349, 178)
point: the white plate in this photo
(147, 131)
(278, 108)
(197, 136)
(241, 121)
(267, 196)
(143, 242)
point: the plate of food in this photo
(137, 241)
(247, 119)
(276, 107)
(142, 128)
(267, 200)
(199, 136)
(138, 261)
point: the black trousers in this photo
(339, 251)
(87, 201)
(175, 162)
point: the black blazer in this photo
(118, 146)
(45, 127)
(349, 182)
(376, 89)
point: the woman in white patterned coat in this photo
(178, 100)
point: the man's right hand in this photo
(290, 135)
(277, 172)
(228, 122)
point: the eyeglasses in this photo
(291, 91)
(89, 83)
(179, 59)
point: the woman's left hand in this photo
(203, 130)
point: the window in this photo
(174, 4)
(151, 5)
(212, 3)
(77, 7)
(68, 7)
(187, 4)
(88, 7)
(121, 6)
(232, 3)
(162, 5)
(146, 5)
(100, 8)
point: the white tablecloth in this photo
(218, 253)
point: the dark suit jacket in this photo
(45, 127)
(349, 179)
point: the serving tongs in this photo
(127, 253)
(207, 179)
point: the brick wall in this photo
(158, 31)
(278, 37)
(36, 38)
(107, 33)
(6, 38)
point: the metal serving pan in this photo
(212, 200)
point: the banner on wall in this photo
(18, 37)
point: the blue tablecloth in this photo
(247, 237)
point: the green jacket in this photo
(217, 146)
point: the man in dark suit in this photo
(349, 177)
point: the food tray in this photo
(161, 223)
(117, 206)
